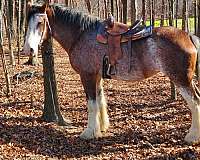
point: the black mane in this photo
(68, 16)
(74, 17)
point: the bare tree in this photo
(117, 9)
(112, 7)
(5, 69)
(133, 9)
(185, 16)
(171, 12)
(176, 14)
(18, 28)
(162, 13)
(124, 10)
(143, 11)
(198, 32)
(88, 4)
(51, 111)
(8, 24)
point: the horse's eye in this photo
(38, 25)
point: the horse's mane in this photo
(69, 16)
(74, 17)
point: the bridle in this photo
(46, 23)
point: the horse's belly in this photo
(130, 71)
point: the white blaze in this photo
(33, 36)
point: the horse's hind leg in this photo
(192, 95)
(104, 119)
(93, 127)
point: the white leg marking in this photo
(104, 119)
(93, 127)
(194, 132)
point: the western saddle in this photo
(113, 34)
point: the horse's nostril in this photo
(31, 50)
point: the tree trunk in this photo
(5, 69)
(88, 4)
(143, 11)
(198, 32)
(195, 15)
(18, 29)
(162, 13)
(124, 10)
(185, 16)
(105, 9)
(117, 9)
(171, 12)
(153, 13)
(51, 112)
(133, 10)
(176, 15)
(112, 7)
(67, 3)
(8, 25)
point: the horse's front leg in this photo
(93, 129)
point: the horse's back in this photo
(175, 36)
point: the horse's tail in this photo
(196, 42)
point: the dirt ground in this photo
(144, 122)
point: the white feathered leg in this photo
(93, 127)
(101, 100)
(193, 101)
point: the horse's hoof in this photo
(89, 133)
(193, 137)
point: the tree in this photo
(133, 9)
(171, 12)
(185, 16)
(88, 4)
(8, 24)
(195, 15)
(124, 10)
(162, 13)
(198, 32)
(112, 7)
(143, 12)
(5, 69)
(176, 14)
(19, 28)
(51, 111)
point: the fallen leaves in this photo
(145, 123)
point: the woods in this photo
(179, 13)
(146, 121)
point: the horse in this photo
(168, 50)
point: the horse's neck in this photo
(66, 36)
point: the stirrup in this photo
(105, 67)
(111, 71)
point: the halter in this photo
(46, 22)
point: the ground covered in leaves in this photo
(145, 122)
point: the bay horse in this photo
(168, 50)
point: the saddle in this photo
(114, 34)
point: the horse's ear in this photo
(44, 7)
(29, 4)
(110, 21)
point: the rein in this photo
(46, 22)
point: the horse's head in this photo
(38, 28)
